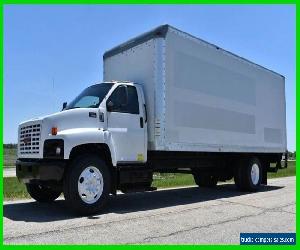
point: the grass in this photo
(9, 157)
(172, 180)
(289, 171)
(13, 189)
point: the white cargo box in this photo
(200, 97)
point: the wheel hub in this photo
(90, 185)
(255, 174)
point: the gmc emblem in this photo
(27, 140)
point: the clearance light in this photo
(54, 131)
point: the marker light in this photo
(54, 131)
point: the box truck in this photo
(169, 102)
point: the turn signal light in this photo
(54, 131)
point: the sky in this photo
(52, 52)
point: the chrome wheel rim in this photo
(90, 185)
(255, 174)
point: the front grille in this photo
(29, 139)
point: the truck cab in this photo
(100, 131)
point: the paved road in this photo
(9, 172)
(185, 215)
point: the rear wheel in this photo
(248, 175)
(87, 185)
(205, 180)
(42, 193)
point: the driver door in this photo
(125, 122)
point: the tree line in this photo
(10, 145)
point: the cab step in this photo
(127, 190)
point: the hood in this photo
(69, 119)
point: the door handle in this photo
(146, 116)
(141, 122)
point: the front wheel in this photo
(87, 185)
(42, 193)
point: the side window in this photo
(133, 103)
(125, 103)
(118, 97)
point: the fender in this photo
(78, 136)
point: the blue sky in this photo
(52, 52)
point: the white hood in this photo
(69, 119)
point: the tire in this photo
(248, 175)
(87, 185)
(42, 193)
(205, 180)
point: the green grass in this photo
(9, 157)
(172, 180)
(13, 189)
(289, 171)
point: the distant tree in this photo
(10, 145)
(291, 155)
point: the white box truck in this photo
(169, 102)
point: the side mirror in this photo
(64, 105)
(110, 106)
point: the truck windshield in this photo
(91, 97)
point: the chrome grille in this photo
(29, 139)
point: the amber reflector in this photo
(54, 131)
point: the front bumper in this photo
(31, 170)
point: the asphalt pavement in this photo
(9, 172)
(185, 215)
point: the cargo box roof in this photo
(161, 31)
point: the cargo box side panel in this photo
(218, 102)
(136, 65)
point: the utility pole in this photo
(53, 94)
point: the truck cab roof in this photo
(120, 82)
(114, 82)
